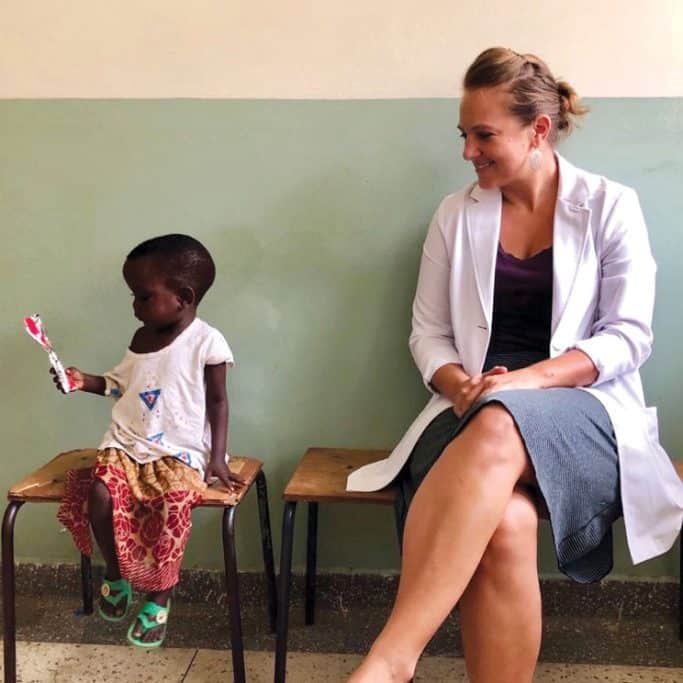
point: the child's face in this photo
(154, 304)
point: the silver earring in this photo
(535, 159)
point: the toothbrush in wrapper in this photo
(35, 328)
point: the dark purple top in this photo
(522, 302)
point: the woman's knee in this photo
(495, 422)
(515, 538)
(494, 437)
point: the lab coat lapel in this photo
(570, 234)
(483, 231)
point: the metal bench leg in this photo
(8, 592)
(283, 591)
(267, 546)
(86, 583)
(311, 561)
(232, 585)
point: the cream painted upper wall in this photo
(320, 49)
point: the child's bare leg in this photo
(100, 511)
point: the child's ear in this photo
(186, 296)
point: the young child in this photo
(167, 436)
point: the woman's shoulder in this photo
(454, 203)
(580, 186)
(459, 197)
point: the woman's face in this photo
(496, 142)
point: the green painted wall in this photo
(315, 212)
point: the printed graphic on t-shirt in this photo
(150, 398)
(185, 457)
(156, 438)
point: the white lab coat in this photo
(603, 295)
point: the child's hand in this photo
(77, 377)
(218, 469)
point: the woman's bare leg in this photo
(500, 610)
(451, 520)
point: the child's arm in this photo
(94, 384)
(217, 413)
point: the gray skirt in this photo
(571, 444)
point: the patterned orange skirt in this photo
(152, 506)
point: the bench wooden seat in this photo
(46, 485)
(321, 477)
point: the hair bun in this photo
(532, 85)
(570, 105)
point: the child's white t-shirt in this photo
(160, 407)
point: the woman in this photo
(531, 318)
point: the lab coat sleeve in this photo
(621, 336)
(431, 341)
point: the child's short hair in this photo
(185, 261)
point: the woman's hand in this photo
(526, 378)
(473, 387)
(218, 469)
(77, 377)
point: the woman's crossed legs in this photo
(471, 534)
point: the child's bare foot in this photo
(149, 627)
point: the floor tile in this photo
(303, 667)
(592, 673)
(76, 663)
(216, 665)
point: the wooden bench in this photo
(319, 478)
(46, 485)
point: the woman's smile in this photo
(480, 166)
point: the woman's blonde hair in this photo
(532, 85)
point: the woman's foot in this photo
(115, 599)
(149, 627)
(378, 669)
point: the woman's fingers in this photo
(468, 395)
(474, 387)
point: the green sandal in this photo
(121, 591)
(159, 616)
